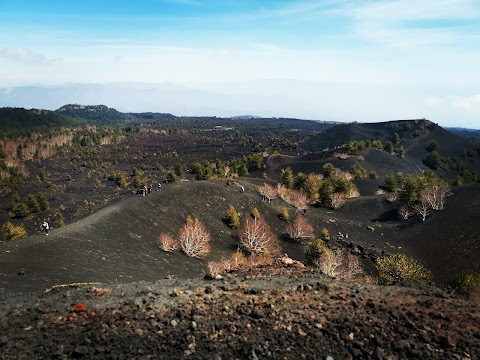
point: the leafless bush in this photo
(435, 196)
(352, 268)
(380, 192)
(268, 192)
(292, 197)
(300, 229)
(194, 239)
(337, 200)
(422, 208)
(168, 243)
(340, 264)
(256, 237)
(216, 268)
(391, 197)
(342, 156)
(330, 263)
(405, 212)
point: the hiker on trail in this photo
(45, 226)
(150, 188)
(242, 189)
(159, 186)
(134, 191)
(144, 190)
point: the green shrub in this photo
(314, 251)
(10, 231)
(467, 283)
(284, 215)
(325, 234)
(399, 267)
(232, 218)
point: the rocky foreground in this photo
(300, 315)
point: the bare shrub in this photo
(342, 156)
(330, 263)
(292, 197)
(380, 192)
(216, 268)
(168, 243)
(391, 197)
(282, 191)
(268, 192)
(405, 212)
(298, 200)
(194, 239)
(435, 196)
(256, 237)
(352, 268)
(337, 200)
(300, 229)
(236, 261)
(422, 208)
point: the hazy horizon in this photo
(334, 60)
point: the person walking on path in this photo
(45, 226)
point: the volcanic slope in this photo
(119, 243)
(412, 135)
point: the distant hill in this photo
(19, 120)
(96, 113)
(383, 131)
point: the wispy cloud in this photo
(457, 102)
(467, 102)
(23, 55)
(410, 23)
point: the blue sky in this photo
(345, 60)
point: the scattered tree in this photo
(300, 229)
(194, 239)
(287, 177)
(314, 251)
(256, 237)
(232, 218)
(168, 243)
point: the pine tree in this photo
(232, 218)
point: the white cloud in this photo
(433, 101)
(410, 23)
(23, 55)
(467, 102)
(455, 102)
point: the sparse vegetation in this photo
(300, 229)
(11, 231)
(467, 283)
(399, 267)
(194, 238)
(232, 219)
(256, 237)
